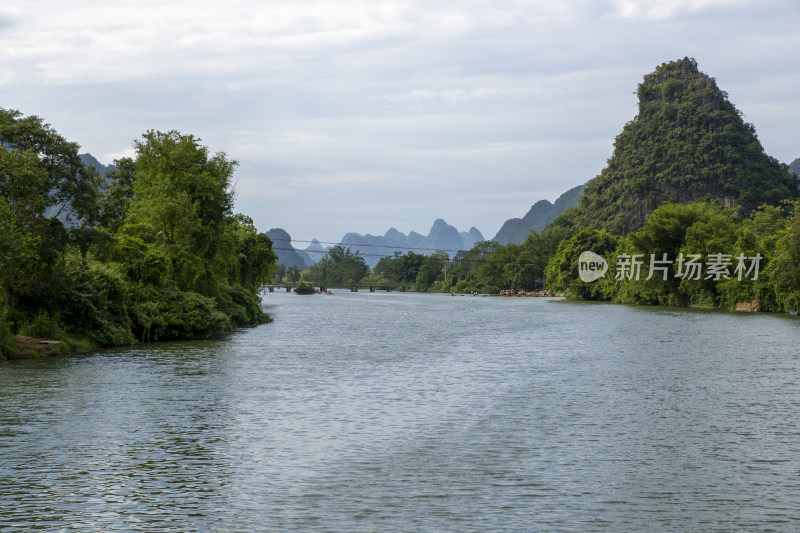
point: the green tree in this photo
(167, 234)
(713, 233)
(562, 270)
(339, 266)
(17, 253)
(44, 181)
(785, 274)
(292, 275)
(182, 201)
(255, 260)
(113, 202)
(543, 245)
(402, 268)
(24, 185)
(26, 233)
(698, 228)
(71, 188)
(431, 270)
(755, 236)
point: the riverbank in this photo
(33, 347)
(174, 316)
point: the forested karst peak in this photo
(687, 143)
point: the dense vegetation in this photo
(697, 229)
(153, 251)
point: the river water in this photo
(414, 412)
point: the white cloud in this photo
(108, 158)
(70, 41)
(452, 96)
(660, 10)
(389, 113)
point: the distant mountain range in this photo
(442, 236)
(372, 248)
(541, 214)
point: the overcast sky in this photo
(354, 115)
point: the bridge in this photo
(353, 288)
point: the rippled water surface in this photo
(410, 412)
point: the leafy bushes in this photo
(95, 301)
(242, 307)
(167, 314)
(44, 327)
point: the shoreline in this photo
(36, 347)
(32, 348)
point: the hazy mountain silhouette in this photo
(441, 236)
(287, 254)
(541, 214)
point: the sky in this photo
(358, 116)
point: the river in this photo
(416, 412)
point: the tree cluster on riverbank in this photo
(697, 254)
(153, 251)
(487, 268)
